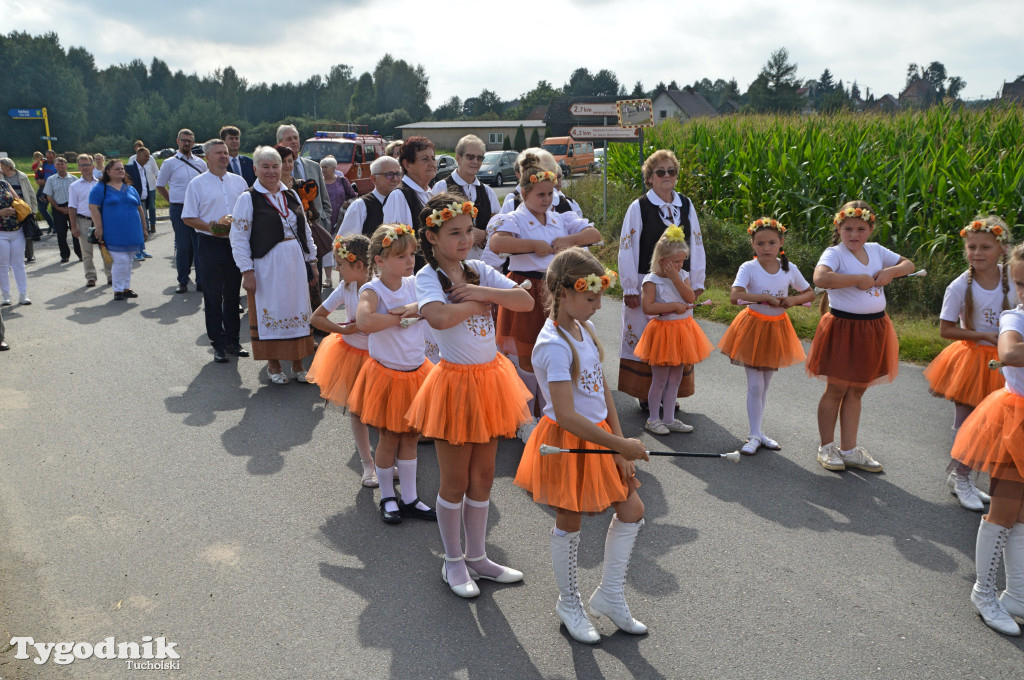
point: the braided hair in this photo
(837, 239)
(400, 245)
(438, 202)
(565, 268)
(991, 220)
(783, 259)
(357, 244)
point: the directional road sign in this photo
(583, 109)
(25, 113)
(602, 132)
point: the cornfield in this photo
(925, 173)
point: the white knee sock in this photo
(407, 471)
(449, 523)
(386, 481)
(766, 376)
(755, 400)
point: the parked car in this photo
(445, 168)
(165, 153)
(497, 168)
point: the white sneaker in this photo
(678, 426)
(526, 429)
(828, 456)
(859, 458)
(964, 491)
(6, 301)
(24, 299)
(656, 427)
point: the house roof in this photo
(691, 102)
(1014, 91)
(919, 88)
(538, 112)
(454, 124)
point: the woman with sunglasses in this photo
(469, 156)
(646, 220)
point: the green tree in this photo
(638, 91)
(450, 110)
(337, 93)
(534, 138)
(507, 144)
(541, 95)
(520, 141)
(397, 85)
(775, 88)
(362, 101)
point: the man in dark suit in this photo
(304, 168)
(238, 164)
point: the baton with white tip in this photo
(995, 364)
(919, 274)
(734, 456)
(408, 321)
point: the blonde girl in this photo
(473, 396)
(342, 353)
(761, 337)
(855, 344)
(992, 440)
(579, 412)
(397, 366)
(672, 338)
(970, 317)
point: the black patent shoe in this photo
(412, 511)
(388, 516)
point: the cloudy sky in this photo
(507, 47)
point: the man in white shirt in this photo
(81, 219)
(304, 168)
(366, 213)
(56, 192)
(209, 200)
(175, 175)
(151, 172)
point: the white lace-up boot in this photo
(1013, 560)
(988, 551)
(610, 597)
(570, 607)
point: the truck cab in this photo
(353, 149)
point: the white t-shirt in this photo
(210, 198)
(472, 341)
(397, 348)
(175, 174)
(853, 300)
(552, 361)
(78, 197)
(752, 278)
(665, 291)
(347, 294)
(522, 223)
(988, 304)
(1013, 320)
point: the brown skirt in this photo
(854, 352)
(635, 379)
(517, 331)
(291, 349)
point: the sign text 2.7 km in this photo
(595, 109)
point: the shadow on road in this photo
(175, 307)
(217, 387)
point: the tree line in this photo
(105, 109)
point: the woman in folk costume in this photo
(646, 220)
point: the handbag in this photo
(322, 238)
(21, 208)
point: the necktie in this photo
(237, 165)
(298, 170)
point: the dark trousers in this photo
(62, 225)
(221, 284)
(186, 242)
(43, 207)
(151, 210)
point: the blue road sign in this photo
(25, 113)
(47, 139)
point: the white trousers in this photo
(121, 270)
(12, 256)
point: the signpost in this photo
(583, 109)
(602, 132)
(35, 114)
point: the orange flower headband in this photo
(439, 217)
(862, 213)
(769, 223)
(392, 233)
(595, 283)
(545, 176)
(341, 252)
(977, 225)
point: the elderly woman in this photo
(393, 148)
(12, 246)
(22, 186)
(119, 219)
(342, 194)
(469, 155)
(273, 247)
(646, 220)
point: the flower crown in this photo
(595, 283)
(341, 252)
(438, 217)
(543, 176)
(862, 213)
(395, 232)
(674, 234)
(768, 223)
(977, 225)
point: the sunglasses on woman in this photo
(661, 172)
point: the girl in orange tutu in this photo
(396, 368)
(970, 316)
(761, 337)
(473, 396)
(855, 344)
(342, 353)
(992, 440)
(672, 338)
(579, 412)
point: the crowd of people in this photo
(467, 321)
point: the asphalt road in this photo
(146, 491)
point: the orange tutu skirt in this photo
(470, 403)
(961, 374)
(992, 437)
(381, 396)
(760, 341)
(336, 367)
(854, 352)
(673, 343)
(578, 482)
(517, 331)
